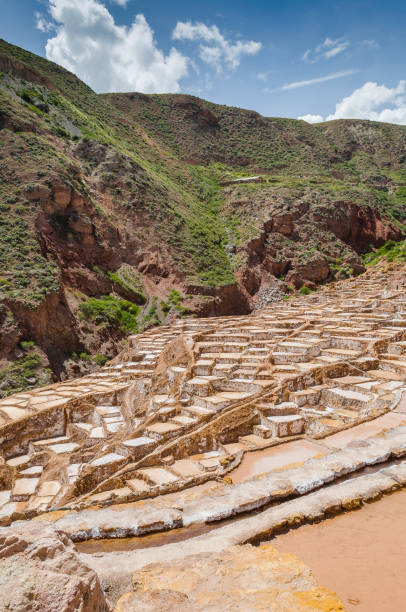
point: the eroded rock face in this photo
(40, 571)
(242, 578)
(162, 600)
(315, 270)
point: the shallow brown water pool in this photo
(361, 554)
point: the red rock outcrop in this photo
(315, 270)
(51, 325)
(358, 226)
(14, 66)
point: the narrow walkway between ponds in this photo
(361, 554)
(182, 534)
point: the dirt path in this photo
(361, 555)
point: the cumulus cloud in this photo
(120, 2)
(110, 57)
(218, 51)
(311, 118)
(328, 49)
(373, 101)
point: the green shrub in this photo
(60, 131)
(111, 311)
(129, 282)
(305, 290)
(27, 344)
(175, 300)
(390, 251)
(151, 317)
(35, 110)
(100, 360)
(175, 297)
(26, 95)
(165, 307)
(22, 374)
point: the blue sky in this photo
(319, 59)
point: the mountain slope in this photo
(114, 215)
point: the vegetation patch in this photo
(26, 372)
(130, 281)
(112, 312)
(174, 303)
(151, 317)
(390, 251)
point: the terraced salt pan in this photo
(243, 346)
(141, 441)
(364, 431)
(158, 476)
(226, 501)
(401, 407)
(315, 506)
(106, 459)
(260, 462)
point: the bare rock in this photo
(37, 192)
(354, 262)
(275, 267)
(62, 195)
(283, 224)
(241, 578)
(314, 270)
(162, 600)
(40, 571)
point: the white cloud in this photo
(331, 48)
(323, 79)
(311, 118)
(219, 50)
(262, 76)
(326, 50)
(120, 2)
(43, 24)
(370, 44)
(375, 102)
(371, 101)
(110, 57)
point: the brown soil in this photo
(360, 555)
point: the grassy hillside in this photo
(110, 203)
